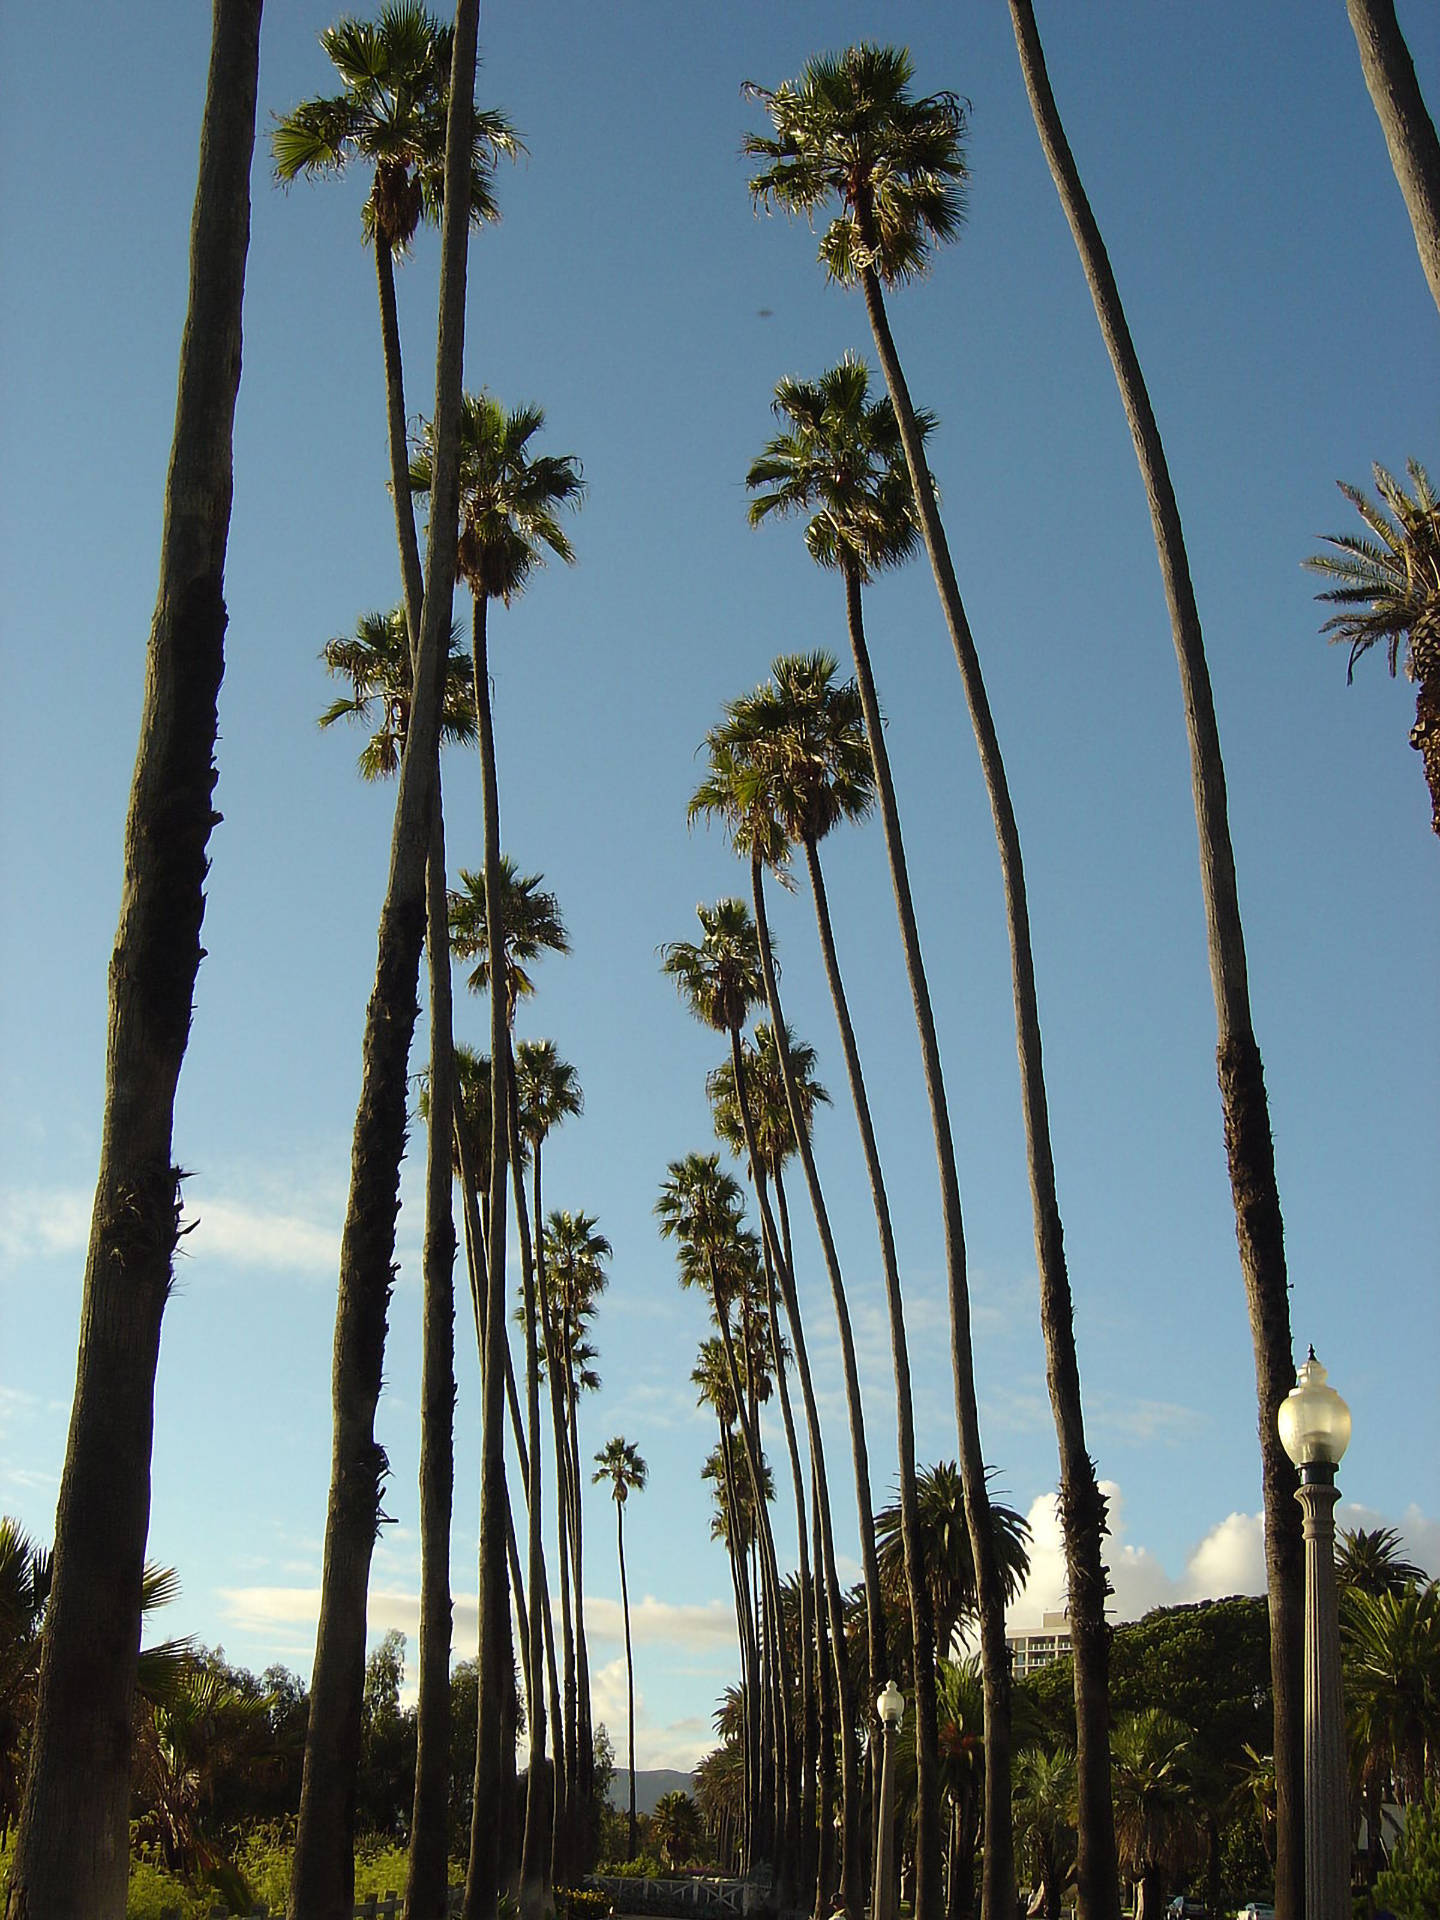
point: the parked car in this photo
(1182, 1909)
(1256, 1910)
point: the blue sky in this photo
(1270, 277)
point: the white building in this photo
(1029, 1651)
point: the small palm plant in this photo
(1389, 594)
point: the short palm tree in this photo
(72, 1850)
(1157, 1822)
(1045, 1822)
(619, 1463)
(1391, 1648)
(1372, 1560)
(675, 1825)
(1389, 594)
(849, 133)
(840, 460)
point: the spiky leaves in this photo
(849, 132)
(720, 975)
(396, 77)
(510, 499)
(375, 659)
(532, 921)
(765, 1089)
(619, 1463)
(841, 455)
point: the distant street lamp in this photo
(1315, 1431)
(891, 1708)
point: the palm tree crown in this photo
(848, 130)
(532, 921)
(619, 1462)
(842, 455)
(720, 977)
(765, 1090)
(794, 749)
(509, 498)
(396, 73)
(1390, 586)
(375, 659)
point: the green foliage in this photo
(580, 1903)
(645, 1866)
(1410, 1885)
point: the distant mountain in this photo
(648, 1787)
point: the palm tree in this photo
(619, 1462)
(849, 131)
(1259, 1227)
(842, 456)
(533, 924)
(1045, 1821)
(506, 522)
(1391, 1647)
(947, 1564)
(1409, 131)
(375, 659)
(1157, 1825)
(1390, 591)
(1371, 1560)
(675, 1824)
(323, 1871)
(391, 116)
(72, 1850)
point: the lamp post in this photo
(891, 1708)
(1315, 1431)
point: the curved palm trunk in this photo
(1409, 131)
(998, 1896)
(323, 1876)
(72, 1853)
(535, 1848)
(1249, 1148)
(427, 1890)
(803, 1755)
(483, 1871)
(629, 1674)
(927, 1759)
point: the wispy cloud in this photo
(235, 1230)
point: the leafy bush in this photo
(581, 1903)
(645, 1866)
(1410, 1886)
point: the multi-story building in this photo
(1029, 1651)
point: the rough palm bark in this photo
(322, 1884)
(998, 1894)
(1405, 121)
(71, 1858)
(1248, 1143)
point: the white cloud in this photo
(709, 1625)
(46, 1221)
(43, 1221)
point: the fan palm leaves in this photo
(375, 659)
(531, 917)
(948, 1563)
(1389, 595)
(1391, 1646)
(1157, 1821)
(391, 116)
(770, 1107)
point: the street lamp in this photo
(891, 1708)
(1315, 1431)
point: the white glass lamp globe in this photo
(1314, 1420)
(891, 1705)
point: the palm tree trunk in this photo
(427, 1890)
(398, 444)
(1249, 1147)
(564, 1852)
(559, 1797)
(803, 1756)
(749, 1651)
(535, 1850)
(72, 1852)
(999, 1889)
(585, 1822)
(927, 1758)
(1409, 131)
(482, 1878)
(825, 1812)
(322, 1884)
(629, 1674)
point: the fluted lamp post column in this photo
(1315, 1431)
(891, 1708)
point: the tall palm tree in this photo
(1391, 1647)
(842, 456)
(1390, 592)
(391, 116)
(323, 1871)
(947, 1563)
(849, 132)
(620, 1463)
(378, 661)
(741, 789)
(507, 522)
(1405, 121)
(72, 1850)
(533, 922)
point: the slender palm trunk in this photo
(566, 1757)
(999, 1888)
(559, 1792)
(629, 1674)
(322, 1883)
(1409, 131)
(427, 1887)
(535, 1848)
(749, 1649)
(927, 1759)
(824, 1644)
(72, 1853)
(483, 1872)
(584, 1817)
(1249, 1147)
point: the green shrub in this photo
(1410, 1885)
(645, 1866)
(581, 1903)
